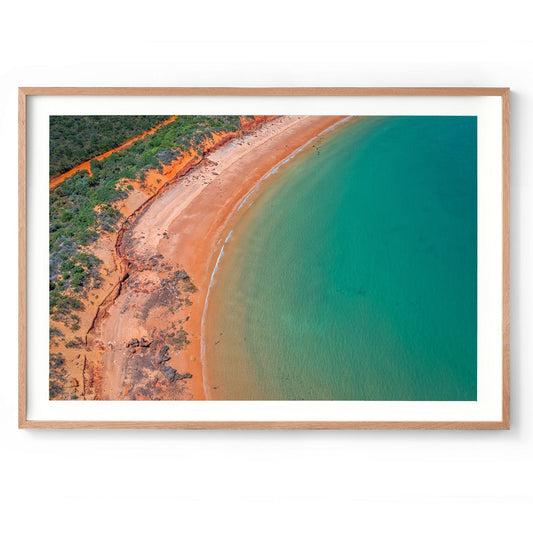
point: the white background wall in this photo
(270, 480)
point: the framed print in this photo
(264, 258)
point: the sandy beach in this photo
(167, 255)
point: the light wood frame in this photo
(504, 93)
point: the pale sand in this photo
(182, 229)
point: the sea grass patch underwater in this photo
(353, 276)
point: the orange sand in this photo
(83, 350)
(182, 229)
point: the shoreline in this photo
(261, 162)
(230, 225)
(82, 355)
(181, 232)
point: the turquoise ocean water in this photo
(353, 275)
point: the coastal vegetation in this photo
(82, 207)
(57, 375)
(75, 138)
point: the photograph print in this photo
(255, 257)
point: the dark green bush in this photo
(74, 139)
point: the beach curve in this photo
(182, 232)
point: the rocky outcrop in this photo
(162, 356)
(173, 375)
(135, 343)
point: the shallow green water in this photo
(353, 274)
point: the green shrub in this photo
(74, 139)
